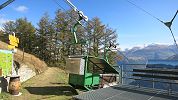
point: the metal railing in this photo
(127, 78)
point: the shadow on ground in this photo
(52, 90)
(56, 83)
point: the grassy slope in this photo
(50, 85)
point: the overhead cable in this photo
(6, 3)
(168, 24)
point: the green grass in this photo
(54, 87)
(4, 96)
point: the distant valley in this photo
(153, 51)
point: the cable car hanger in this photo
(81, 17)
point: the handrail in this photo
(157, 71)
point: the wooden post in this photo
(23, 55)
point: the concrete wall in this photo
(25, 73)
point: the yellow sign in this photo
(13, 38)
(13, 42)
(11, 47)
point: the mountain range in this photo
(153, 51)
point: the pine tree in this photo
(45, 32)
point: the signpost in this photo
(13, 41)
(6, 63)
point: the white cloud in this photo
(2, 21)
(21, 9)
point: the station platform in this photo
(123, 92)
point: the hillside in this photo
(27, 63)
(153, 51)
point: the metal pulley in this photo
(80, 18)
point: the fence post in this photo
(170, 89)
(153, 82)
(120, 75)
(23, 55)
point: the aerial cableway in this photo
(167, 24)
(85, 66)
(6, 3)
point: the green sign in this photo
(6, 62)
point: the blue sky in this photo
(134, 27)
